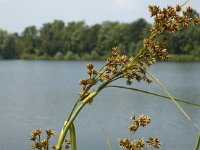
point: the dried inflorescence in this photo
(166, 20)
(36, 137)
(113, 69)
(36, 133)
(139, 144)
(88, 82)
(154, 142)
(143, 121)
(67, 143)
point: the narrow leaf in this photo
(172, 99)
(155, 94)
(107, 140)
(72, 137)
(197, 142)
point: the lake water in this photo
(41, 93)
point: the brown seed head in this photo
(197, 21)
(45, 143)
(148, 80)
(35, 133)
(155, 142)
(125, 143)
(133, 127)
(50, 133)
(115, 51)
(189, 10)
(39, 145)
(139, 144)
(94, 72)
(144, 120)
(90, 66)
(147, 42)
(33, 137)
(38, 131)
(178, 8)
(108, 69)
(154, 10)
(124, 58)
(84, 82)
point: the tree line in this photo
(76, 40)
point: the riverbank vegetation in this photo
(78, 41)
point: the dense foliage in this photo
(76, 40)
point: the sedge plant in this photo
(167, 21)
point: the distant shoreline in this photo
(185, 58)
(173, 58)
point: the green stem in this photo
(73, 136)
(76, 112)
(178, 106)
(197, 142)
(185, 3)
(155, 94)
(75, 105)
(78, 100)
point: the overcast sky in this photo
(15, 15)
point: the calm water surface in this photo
(40, 94)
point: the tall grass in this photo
(166, 21)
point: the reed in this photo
(166, 21)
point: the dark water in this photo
(40, 94)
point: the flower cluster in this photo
(154, 142)
(143, 121)
(169, 19)
(115, 67)
(166, 20)
(36, 137)
(139, 144)
(88, 82)
(114, 64)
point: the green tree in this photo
(75, 36)
(107, 37)
(51, 38)
(186, 41)
(8, 47)
(29, 40)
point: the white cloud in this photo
(127, 4)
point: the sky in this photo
(15, 15)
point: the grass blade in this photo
(155, 94)
(197, 142)
(72, 136)
(107, 140)
(172, 99)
